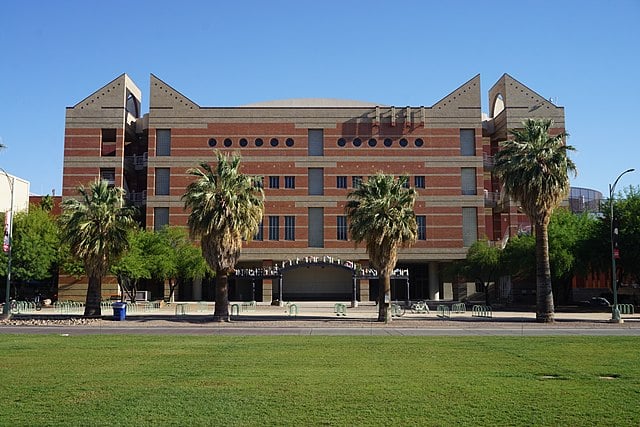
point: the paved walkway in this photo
(319, 319)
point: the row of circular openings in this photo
(243, 142)
(388, 142)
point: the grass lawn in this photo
(290, 380)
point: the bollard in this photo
(235, 307)
(293, 310)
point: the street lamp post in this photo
(6, 311)
(615, 312)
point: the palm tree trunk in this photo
(221, 310)
(94, 296)
(384, 298)
(544, 307)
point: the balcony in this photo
(488, 161)
(492, 199)
(138, 198)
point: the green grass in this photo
(246, 380)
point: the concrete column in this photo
(434, 281)
(364, 290)
(197, 289)
(267, 290)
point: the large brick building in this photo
(311, 153)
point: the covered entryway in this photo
(317, 282)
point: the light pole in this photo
(6, 311)
(615, 312)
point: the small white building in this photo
(20, 189)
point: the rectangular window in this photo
(419, 181)
(274, 228)
(316, 181)
(316, 228)
(341, 228)
(404, 180)
(356, 181)
(108, 148)
(109, 175)
(421, 221)
(289, 228)
(259, 182)
(289, 182)
(467, 142)
(259, 234)
(468, 181)
(274, 182)
(316, 142)
(160, 218)
(163, 142)
(162, 181)
(341, 182)
(469, 226)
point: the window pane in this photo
(160, 218)
(163, 142)
(260, 235)
(316, 178)
(469, 226)
(341, 228)
(162, 181)
(341, 182)
(289, 182)
(356, 181)
(468, 181)
(289, 228)
(274, 182)
(467, 142)
(316, 228)
(419, 181)
(274, 225)
(421, 220)
(316, 142)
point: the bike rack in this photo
(626, 309)
(482, 311)
(459, 308)
(340, 309)
(444, 311)
(236, 308)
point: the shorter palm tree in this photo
(380, 213)
(226, 208)
(96, 228)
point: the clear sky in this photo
(584, 54)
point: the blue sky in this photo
(584, 54)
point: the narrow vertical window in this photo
(109, 175)
(341, 182)
(163, 142)
(467, 142)
(469, 226)
(341, 229)
(162, 181)
(274, 182)
(419, 181)
(160, 218)
(316, 142)
(356, 181)
(289, 182)
(259, 234)
(421, 221)
(316, 228)
(289, 227)
(468, 178)
(274, 228)
(316, 181)
(108, 143)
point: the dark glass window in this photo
(227, 142)
(259, 142)
(212, 142)
(274, 182)
(341, 231)
(356, 181)
(388, 142)
(421, 221)
(419, 142)
(403, 142)
(274, 142)
(274, 228)
(357, 142)
(342, 142)
(289, 228)
(341, 182)
(289, 182)
(419, 181)
(289, 142)
(373, 142)
(243, 142)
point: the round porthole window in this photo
(212, 142)
(403, 142)
(373, 142)
(289, 142)
(388, 142)
(274, 142)
(259, 142)
(342, 142)
(227, 142)
(419, 142)
(243, 142)
(357, 142)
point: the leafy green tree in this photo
(226, 208)
(534, 168)
(35, 243)
(482, 265)
(134, 265)
(96, 227)
(380, 213)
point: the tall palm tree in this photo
(533, 168)
(226, 207)
(380, 212)
(95, 226)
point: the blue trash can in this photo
(119, 310)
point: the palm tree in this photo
(226, 207)
(380, 212)
(534, 170)
(95, 226)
